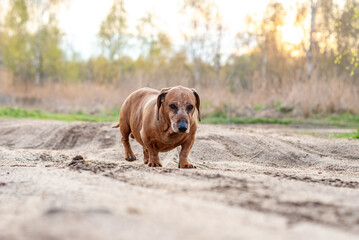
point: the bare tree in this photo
(43, 14)
(39, 15)
(203, 35)
(1, 29)
(309, 52)
(218, 47)
(268, 40)
(146, 31)
(264, 61)
(113, 34)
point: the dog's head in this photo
(178, 106)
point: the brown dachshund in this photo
(160, 122)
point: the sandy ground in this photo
(251, 182)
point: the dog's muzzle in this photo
(182, 126)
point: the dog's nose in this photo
(182, 125)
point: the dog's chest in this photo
(164, 146)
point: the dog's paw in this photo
(130, 159)
(186, 165)
(155, 164)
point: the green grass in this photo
(244, 120)
(338, 120)
(107, 116)
(218, 117)
(258, 107)
(351, 135)
(345, 119)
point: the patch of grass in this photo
(350, 135)
(218, 117)
(214, 119)
(283, 109)
(338, 120)
(9, 112)
(344, 118)
(258, 107)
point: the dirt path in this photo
(252, 182)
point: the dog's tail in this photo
(118, 125)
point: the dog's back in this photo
(134, 104)
(133, 108)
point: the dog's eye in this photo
(190, 107)
(173, 107)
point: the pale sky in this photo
(81, 19)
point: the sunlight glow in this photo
(291, 34)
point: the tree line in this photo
(31, 47)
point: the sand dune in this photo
(251, 182)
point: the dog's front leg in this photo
(150, 151)
(183, 156)
(154, 159)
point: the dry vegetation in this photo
(294, 98)
(268, 80)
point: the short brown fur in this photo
(147, 115)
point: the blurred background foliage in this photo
(317, 73)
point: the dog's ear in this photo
(161, 99)
(198, 103)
